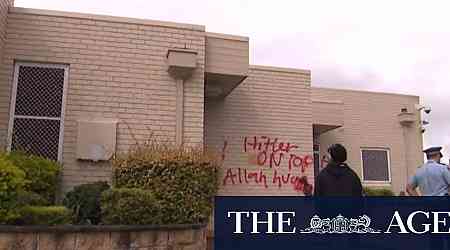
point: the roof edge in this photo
(366, 91)
(107, 18)
(317, 100)
(228, 36)
(280, 69)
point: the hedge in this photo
(84, 201)
(50, 216)
(184, 180)
(12, 182)
(25, 198)
(41, 174)
(133, 206)
(378, 192)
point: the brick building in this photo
(79, 87)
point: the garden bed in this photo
(159, 197)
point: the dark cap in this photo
(433, 151)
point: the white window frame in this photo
(17, 65)
(388, 152)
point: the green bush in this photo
(12, 182)
(84, 201)
(38, 215)
(25, 198)
(134, 206)
(378, 192)
(183, 180)
(41, 174)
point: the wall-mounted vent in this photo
(96, 140)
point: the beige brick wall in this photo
(4, 7)
(370, 120)
(271, 103)
(117, 70)
(226, 54)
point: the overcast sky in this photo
(393, 46)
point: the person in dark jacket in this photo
(337, 178)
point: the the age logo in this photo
(340, 224)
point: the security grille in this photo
(37, 109)
(376, 165)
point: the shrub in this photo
(42, 174)
(12, 181)
(38, 215)
(25, 198)
(183, 179)
(378, 192)
(84, 201)
(134, 206)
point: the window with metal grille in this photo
(37, 109)
(376, 165)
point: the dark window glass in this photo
(36, 136)
(375, 165)
(38, 109)
(39, 91)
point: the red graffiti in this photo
(267, 144)
(224, 148)
(273, 159)
(302, 185)
(299, 162)
(271, 152)
(275, 154)
(243, 176)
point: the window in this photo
(37, 109)
(376, 165)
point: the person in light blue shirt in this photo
(433, 178)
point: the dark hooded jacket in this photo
(338, 180)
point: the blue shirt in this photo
(432, 178)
